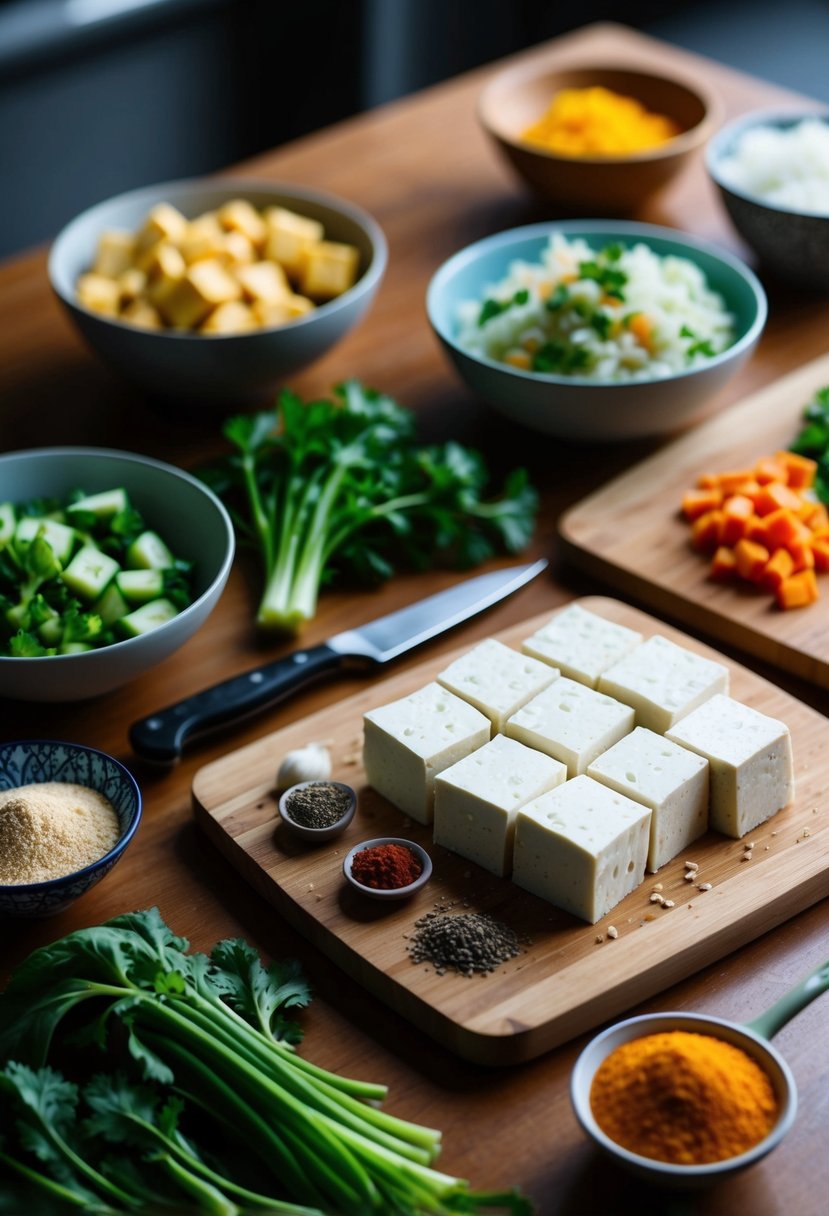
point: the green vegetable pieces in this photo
(813, 440)
(329, 488)
(209, 1109)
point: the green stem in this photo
(210, 1200)
(46, 1184)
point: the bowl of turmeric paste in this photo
(595, 138)
(685, 1099)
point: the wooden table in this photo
(425, 170)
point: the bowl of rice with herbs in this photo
(771, 168)
(597, 330)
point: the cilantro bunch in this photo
(208, 1108)
(340, 487)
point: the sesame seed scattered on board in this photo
(612, 932)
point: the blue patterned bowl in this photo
(30, 762)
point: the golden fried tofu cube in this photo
(115, 253)
(234, 317)
(239, 249)
(204, 238)
(205, 285)
(265, 281)
(99, 294)
(241, 216)
(290, 236)
(330, 269)
(132, 283)
(279, 312)
(164, 223)
(163, 260)
(142, 314)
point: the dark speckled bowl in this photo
(792, 245)
(33, 761)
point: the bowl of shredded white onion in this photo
(771, 168)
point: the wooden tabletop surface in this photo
(426, 172)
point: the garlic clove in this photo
(309, 763)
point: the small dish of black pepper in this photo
(318, 810)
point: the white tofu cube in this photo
(668, 779)
(663, 682)
(581, 644)
(476, 800)
(407, 743)
(571, 723)
(750, 759)
(496, 679)
(581, 846)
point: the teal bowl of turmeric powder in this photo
(683, 1100)
(67, 814)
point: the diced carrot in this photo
(820, 552)
(814, 515)
(783, 528)
(707, 481)
(774, 496)
(731, 480)
(756, 529)
(798, 590)
(749, 488)
(705, 530)
(802, 555)
(519, 359)
(641, 327)
(697, 502)
(800, 470)
(723, 565)
(751, 559)
(778, 568)
(737, 511)
(768, 469)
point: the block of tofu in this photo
(205, 285)
(328, 270)
(750, 760)
(132, 283)
(234, 317)
(663, 682)
(476, 800)
(408, 742)
(115, 253)
(581, 644)
(668, 779)
(496, 679)
(571, 722)
(239, 250)
(98, 293)
(163, 261)
(205, 238)
(290, 237)
(239, 215)
(581, 846)
(264, 281)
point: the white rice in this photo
(590, 331)
(787, 167)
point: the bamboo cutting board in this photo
(565, 980)
(630, 532)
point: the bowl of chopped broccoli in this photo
(109, 562)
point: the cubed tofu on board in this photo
(663, 681)
(571, 722)
(581, 644)
(496, 679)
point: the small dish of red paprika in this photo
(387, 867)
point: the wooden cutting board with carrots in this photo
(569, 975)
(634, 534)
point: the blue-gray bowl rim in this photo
(721, 144)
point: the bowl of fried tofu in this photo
(210, 292)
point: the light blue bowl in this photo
(30, 762)
(573, 407)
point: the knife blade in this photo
(161, 736)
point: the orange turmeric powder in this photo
(683, 1097)
(598, 122)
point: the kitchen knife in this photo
(162, 736)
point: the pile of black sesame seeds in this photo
(467, 942)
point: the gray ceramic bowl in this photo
(188, 516)
(311, 834)
(573, 407)
(34, 761)
(387, 893)
(664, 1173)
(232, 370)
(792, 244)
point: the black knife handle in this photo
(161, 736)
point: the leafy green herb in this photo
(601, 270)
(813, 439)
(601, 322)
(560, 357)
(338, 487)
(557, 298)
(205, 1043)
(698, 346)
(493, 308)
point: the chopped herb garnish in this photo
(494, 308)
(601, 322)
(559, 357)
(813, 440)
(558, 297)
